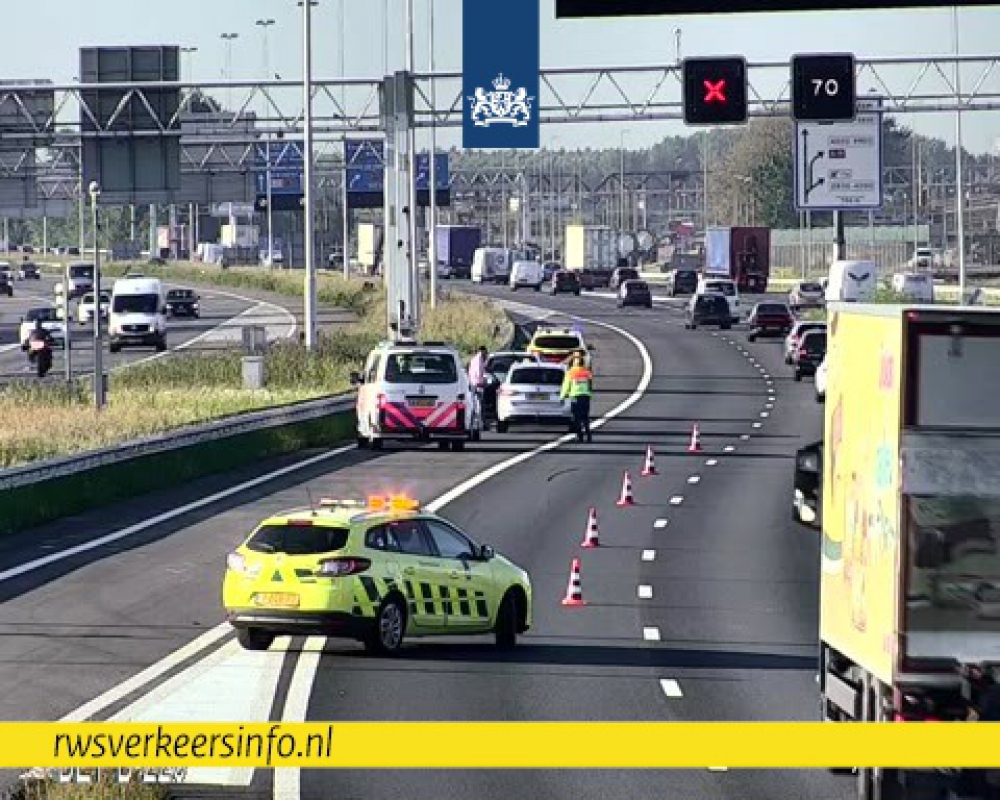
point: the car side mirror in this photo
(486, 553)
(357, 379)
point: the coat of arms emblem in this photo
(501, 106)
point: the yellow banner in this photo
(500, 744)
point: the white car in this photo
(806, 294)
(530, 394)
(50, 322)
(821, 382)
(85, 308)
(526, 274)
(6, 271)
(795, 335)
(725, 286)
(418, 393)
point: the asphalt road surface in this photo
(702, 600)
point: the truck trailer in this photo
(910, 553)
(456, 246)
(591, 251)
(741, 254)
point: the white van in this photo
(138, 316)
(491, 265)
(851, 282)
(527, 274)
(707, 284)
(916, 288)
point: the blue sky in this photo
(62, 26)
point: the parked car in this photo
(622, 274)
(496, 368)
(769, 319)
(635, 293)
(708, 309)
(799, 330)
(806, 294)
(531, 394)
(810, 354)
(681, 281)
(565, 282)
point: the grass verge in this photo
(102, 790)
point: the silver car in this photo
(806, 294)
(799, 329)
(531, 394)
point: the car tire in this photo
(726, 326)
(751, 337)
(457, 445)
(502, 426)
(161, 344)
(254, 639)
(538, 288)
(444, 445)
(506, 626)
(798, 376)
(694, 326)
(362, 442)
(577, 292)
(390, 628)
(375, 442)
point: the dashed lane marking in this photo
(694, 479)
(651, 634)
(711, 462)
(676, 500)
(671, 688)
(660, 523)
(729, 448)
(649, 555)
(645, 592)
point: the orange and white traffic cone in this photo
(695, 446)
(650, 466)
(592, 537)
(574, 591)
(626, 498)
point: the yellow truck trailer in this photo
(910, 581)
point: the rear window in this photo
(298, 540)
(627, 274)
(710, 302)
(810, 287)
(421, 368)
(815, 340)
(558, 343)
(721, 286)
(500, 365)
(772, 308)
(538, 376)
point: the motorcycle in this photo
(40, 354)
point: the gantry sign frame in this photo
(570, 9)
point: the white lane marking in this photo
(660, 523)
(711, 462)
(62, 555)
(671, 688)
(769, 405)
(694, 479)
(758, 425)
(729, 448)
(287, 781)
(718, 769)
(651, 634)
(645, 592)
(764, 414)
(767, 378)
(649, 555)
(676, 500)
(745, 437)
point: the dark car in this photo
(5, 285)
(769, 319)
(183, 303)
(808, 484)
(635, 293)
(565, 282)
(682, 281)
(28, 271)
(550, 268)
(708, 309)
(810, 354)
(622, 274)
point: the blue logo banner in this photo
(500, 65)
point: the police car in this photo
(376, 571)
(416, 392)
(559, 345)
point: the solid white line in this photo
(671, 688)
(651, 634)
(287, 781)
(694, 479)
(645, 592)
(676, 500)
(718, 769)
(649, 555)
(660, 523)
(62, 555)
(711, 462)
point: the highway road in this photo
(702, 600)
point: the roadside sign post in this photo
(99, 396)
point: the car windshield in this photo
(815, 342)
(81, 271)
(298, 540)
(556, 342)
(135, 304)
(810, 287)
(421, 368)
(537, 376)
(42, 315)
(724, 287)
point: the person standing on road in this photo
(477, 369)
(578, 387)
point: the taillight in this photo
(342, 567)
(236, 563)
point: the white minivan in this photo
(138, 316)
(915, 287)
(491, 265)
(526, 274)
(724, 286)
(851, 282)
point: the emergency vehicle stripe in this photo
(402, 414)
(370, 589)
(481, 608)
(428, 594)
(443, 417)
(464, 607)
(445, 599)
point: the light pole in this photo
(229, 38)
(432, 198)
(189, 52)
(99, 397)
(307, 161)
(621, 183)
(264, 25)
(959, 183)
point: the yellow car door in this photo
(423, 579)
(472, 604)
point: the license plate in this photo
(421, 402)
(276, 599)
(37, 345)
(537, 396)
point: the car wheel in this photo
(443, 445)
(726, 326)
(161, 345)
(820, 398)
(254, 638)
(362, 442)
(375, 442)
(505, 629)
(538, 288)
(577, 292)
(751, 337)
(457, 445)
(502, 426)
(694, 326)
(390, 628)
(798, 376)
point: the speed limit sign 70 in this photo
(823, 87)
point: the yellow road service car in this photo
(558, 345)
(376, 572)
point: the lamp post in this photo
(307, 163)
(229, 38)
(189, 52)
(99, 396)
(432, 195)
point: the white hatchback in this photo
(724, 286)
(531, 394)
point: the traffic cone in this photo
(650, 466)
(695, 446)
(592, 538)
(574, 591)
(626, 498)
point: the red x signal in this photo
(715, 92)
